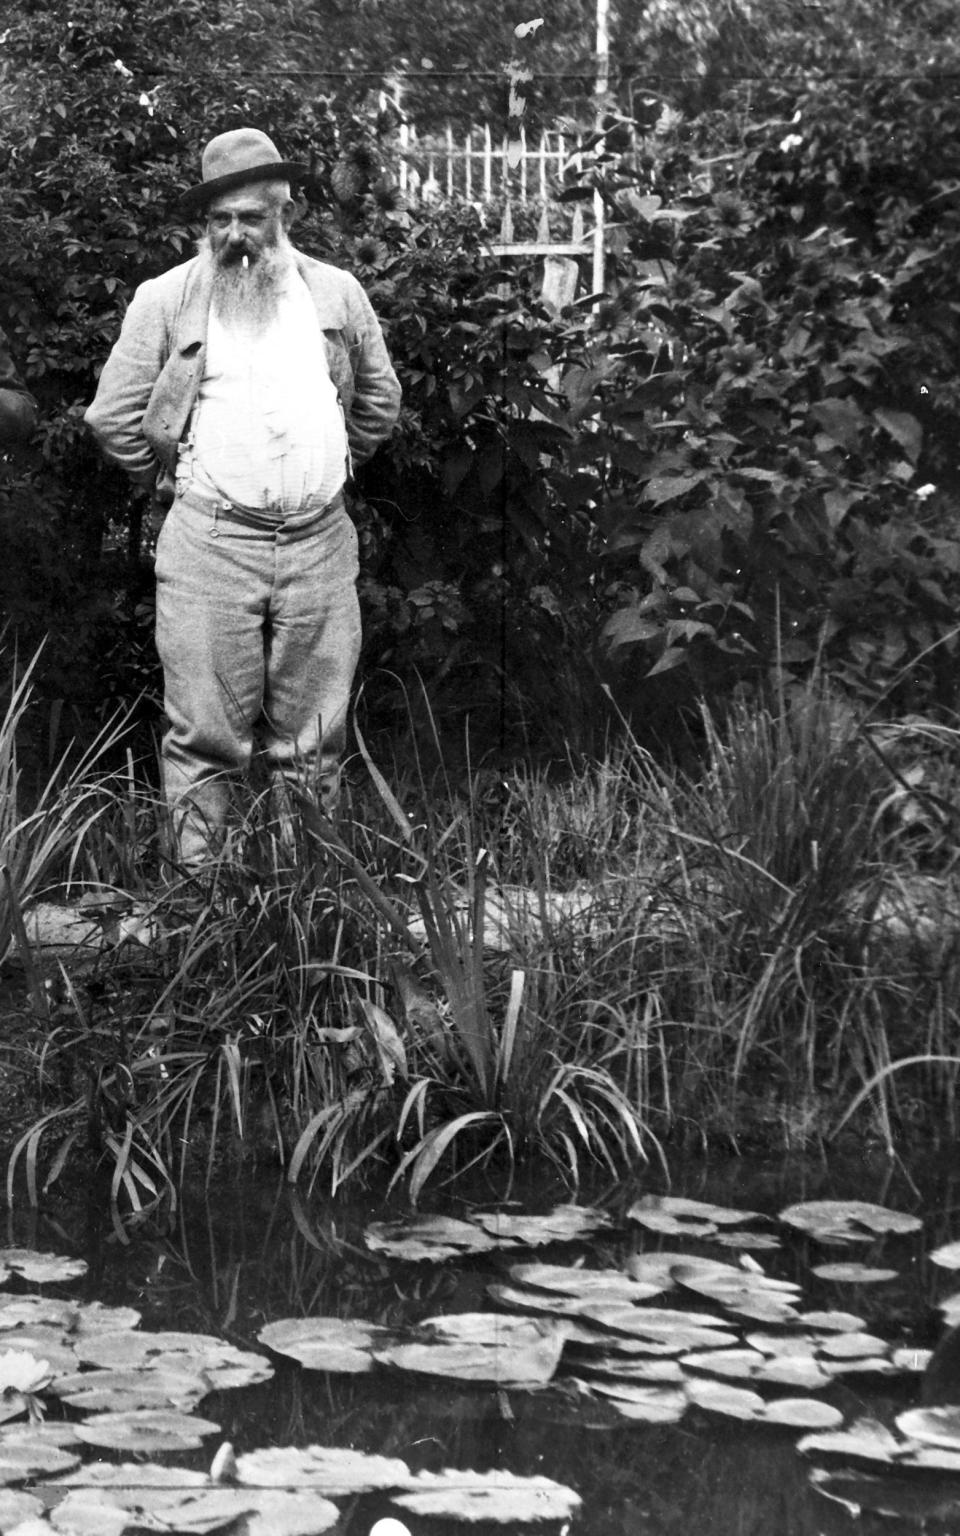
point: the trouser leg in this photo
(212, 599)
(311, 654)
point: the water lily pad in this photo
(640, 1370)
(802, 1413)
(831, 1322)
(719, 1397)
(23, 1460)
(525, 1355)
(644, 1405)
(325, 1343)
(781, 1345)
(200, 1510)
(910, 1361)
(947, 1255)
(564, 1224)
(932, 1426)
(866, 1440)
(728, 1364)
(847, 1221)
(17, 1508)
(221, 1363)
(848, 1346)
(862, 1365)
(601, 1284)
(657, 1268)
(748, 1242)
(673, 1214)
(146, 1430)
(795, 1371)
(330, 1470)
(428, 1239)
(39, 1268)
(116, 1391)
(672, 1335)
(499, 1497)
(37, 1311)
(854, 1274)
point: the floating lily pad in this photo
(794, 1371)
(23, 1460)
(675, 1335)
(262, 1512)
(48, 1433)
(499, 1497)
(645, 1405)
(146, 1430)
(783, 1345)
(17, 1508)
(37, 1311)
(602, 1284)
(850, 1346)
(932, 1426)
(847, 1221)
(330, 1470)
(719, 1397)
(831, 1322)
(524, 1354)
(911, 1361)
(221, 1363)
(947, 1255)
(325, 1343)
(753, 1242)
(116, 1391)
(728, 1364)
(638, 1372)
(862, 1365)
(751, 1295)
(672, 1214)
(428, 1239)
(854, 1274)
(564, 1224)
(39, 1268)
(802, 1413)
(866, 1440)
(657, 1268)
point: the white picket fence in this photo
(517, 176)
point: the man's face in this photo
(246, 222)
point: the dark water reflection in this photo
(248, 1252)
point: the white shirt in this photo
(269, 431)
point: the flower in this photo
(22, 1372)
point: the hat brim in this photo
(197, 198)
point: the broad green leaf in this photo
(24, 1460)
(146, 1430)
(571, 1280)
(40, 1268)
(853, 1274)
(325, 1343)
(719, 1397)
(847, 1221)
(329, 1470)
(498, 1497)
(947, 1256)
(427, 1238)
(645, 1405)
(526, 1356)
(564, 1224)
(932, 1426)
(116, 1390)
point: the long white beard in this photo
(247, 298)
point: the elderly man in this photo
(246, 384)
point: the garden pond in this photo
(745, 1350)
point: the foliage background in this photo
(728, 466)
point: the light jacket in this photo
(151, 379)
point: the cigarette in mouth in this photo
(246, 263)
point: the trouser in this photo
(258, 631)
